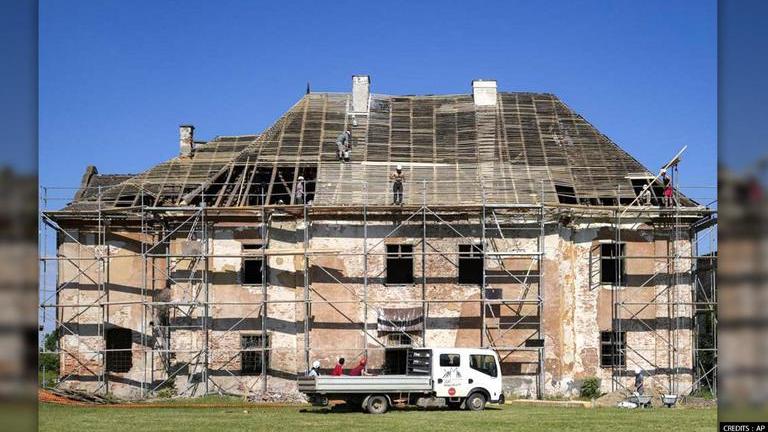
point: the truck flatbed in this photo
(326, 384)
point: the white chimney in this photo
(361, 90)
(484, 92)
(186, 140)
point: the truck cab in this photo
(462, 375)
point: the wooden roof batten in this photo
(453, 153)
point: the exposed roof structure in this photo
(525, 147)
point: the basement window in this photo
(251, 356)
(119, 354)
(612, 259)
(471, 264)
(566, 194)
(399, 264)
(252, 272)
(612, 348)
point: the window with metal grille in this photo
(612, 346)
(251, 355)
(612, 263)
(399, 339)
(119, 354)
(399, 264)
(471, 264)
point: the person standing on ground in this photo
(342, 142)
(639, 381)
(338, 370)
(397, 178)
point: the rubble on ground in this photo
(277, 397)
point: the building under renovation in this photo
(233, 266)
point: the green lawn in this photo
(509, 418)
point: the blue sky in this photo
(117, 78)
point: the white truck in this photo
(465, 378)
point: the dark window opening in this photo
(657, 190)
(471, 264)
(119, 354)
(612, 347)
(310, 177)
(282, 187)
(607, 201)
(125, 200)
(252, 272)
(450, 360)
(484, 363)
(612, 263)
(566, 194)
(493, 310)
(396, 361)
(251, 246)
(251, 356)
(259, 185)
(399, 264)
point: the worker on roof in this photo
(343, 142)
(397, 178)
(338, 370)
(299, 191)
(315, 369)
(645, 195)
(359, 370)
(668, 191)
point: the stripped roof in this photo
(524, 150)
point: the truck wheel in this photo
(476, 402)
(377, 404)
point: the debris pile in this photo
(278, 397)
(70, 397)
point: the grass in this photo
(508, 418)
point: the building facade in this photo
(232, 267)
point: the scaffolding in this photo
(685, 296)
(174, 252)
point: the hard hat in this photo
(399, 167)
(301, 177)
(316, 364)
(638, 370)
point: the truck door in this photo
(450, 379)
(483, 372)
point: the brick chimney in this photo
(361, 90)
(484, 92)
(186, 140)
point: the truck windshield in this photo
(483, 363)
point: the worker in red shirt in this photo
(339, 368)
(359, 369)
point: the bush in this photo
(590, 388)
(168, 391)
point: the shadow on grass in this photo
(345, 408)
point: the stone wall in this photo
(576, 306)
